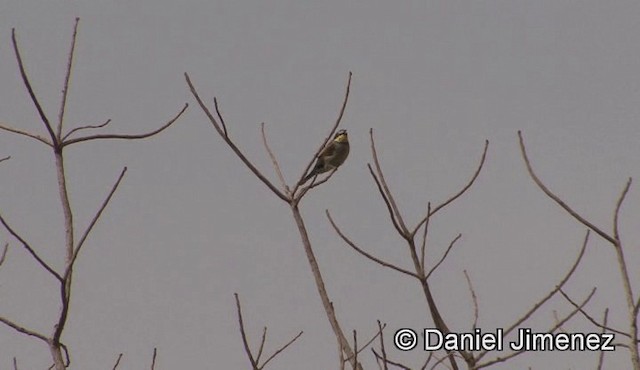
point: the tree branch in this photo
(458, 194)
(556, 199)
(23, 330)
(276, 166)
(65, 89)
(232, 145)
(548, 296)
(27, 84)
(84, 128)
(433, 269)
(474, 298)
(24, 133)
(126, 137)
(93, 222)
(369, 256)
(30, 250)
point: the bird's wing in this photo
(328, 150)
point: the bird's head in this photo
(341, 136)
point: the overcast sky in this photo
(190, 225)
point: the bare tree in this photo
(57, 140)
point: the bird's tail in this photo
(309, 176)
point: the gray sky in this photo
(190, 225)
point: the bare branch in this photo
(245, 342)
(384, 352)
(616, 233)
(458, 194)
(601, 355)
(281, 349)
(392, 202)
(262, 341)
(23, 330)
(4, 253)
(127, 137)
(539, 304)
(356, 350)
(224, 125)
(329, 136)
(15, 364)
(115, 367)
(591, 319)
(423, 248)
(93, 222)
(276, 166)
(514, 354)
(474, 298)
(433, 269)
(30, 250)
(65, 89)
(232, 145)
(27, 84)
(24, 133)
(387, 361)
(374, 259)
(85, 128)
(153, 360)
(556, 199)
(386, 201)
(5, 158)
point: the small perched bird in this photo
(332, 156)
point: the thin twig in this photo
(276, 166)
(232, 145)
(93, 222)
(15, 364)
(387, 361)
(387, 192)
(23, 330)
(458, 194)
(117, 362)
(601, 355)
(153, 360)
(556, 199)
(517, 353)
(262, 342)
(474, 298)
(5, 158)
(245, 342)
(65, 89)
(433, 269)
(4, 253)
(378, 333)
(539, 304)
(127, 137)
(281, 349)
(85, 128)
(27, 84)
(369, 256)
(30, 250)
(224, 125)
(24, 133)
(616, 232)
(591, 319)
(423, 247)
(382, 349)
(392, 215)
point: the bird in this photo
(332, 156)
